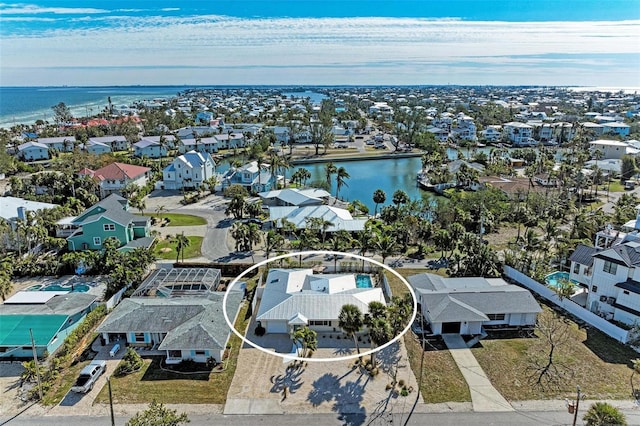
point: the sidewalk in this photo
(484, 397)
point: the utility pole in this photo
(575, 413)
(35, 361)
(113, 422)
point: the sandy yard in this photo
(327, 387)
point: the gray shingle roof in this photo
(629, 252)
(65, 304)
(583, 255)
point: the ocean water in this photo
(25, 105)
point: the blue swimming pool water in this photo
(81, 288)
(363, 281)
(553, 280)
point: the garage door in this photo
(276, 327)
(451, 327)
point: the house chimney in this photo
(22, 213)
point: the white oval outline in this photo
(291, 357)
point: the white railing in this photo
(585, 315)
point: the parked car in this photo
(89, 375)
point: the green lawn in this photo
(172, 388)
(599, 364)
(178, 219)
(166, 249)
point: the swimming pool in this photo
(554, 279)
(78, 288)
(35, 287)
(363, 281)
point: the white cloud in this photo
(291, 50)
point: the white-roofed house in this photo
(295, 197)
(96, 147)
(60, 144)
(293, 298)
(190, 170)
(518, 133)
(612, 149)
(469, 305)
(150, 148)
(207, 145)
(340, 219)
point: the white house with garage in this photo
(190, 170)
(471, 305)
(294, 298)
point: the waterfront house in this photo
(298, 216)
(109, 218)
(518, 133)
(252, 176)
(230, 140)
(441, 135)
(188, 171)
(295, 197)
(472, 305)
(492, 133)
(33, 151)
(294, 298)
(617, 128)
(114, 177)
(51, 315)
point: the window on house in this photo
(200, 353)
(138, 337)
(610, 267)
(625, 292)
(175, 354)
(109, 227)
(496, 317)
(576, 268)
(587, 271)
(320, 322)
(594, 289)
(97, 241)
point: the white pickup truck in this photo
(89, 375)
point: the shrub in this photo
(260, 330)
(604, 414)
(130, 363)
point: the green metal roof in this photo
(14, 329)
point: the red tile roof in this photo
(119, 171)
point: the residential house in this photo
(205, 145)
(193, 132)
(113, 178)
(491, 133)
(293, 298)
(231, 140)
(116, 143)
(593, 128)
(295, 197)
(582, 264)
(617, 128)
(441, 135)
(33, 151)
(204, 117)
(472, 305)
(339, 219)
(150, 148)
(95, 147)
(252, 176)
(60, 144)
(50, 315)
(518, 133)
(612, 150)
(176, 313)
(13, 209)
(108, 218)
(190, 170)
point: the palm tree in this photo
(159, 210)
(6, 270)
(307, 339)
(386, 245)
(379, 333)
(351, 321)
(182, 243)
(604, 414)
(273, 241)
(341, 175)
(379, 197)
(329, 170)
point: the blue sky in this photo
(548, 42)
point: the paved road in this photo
(524, 418)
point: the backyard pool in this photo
(363, 281)
(82, 288)
(554, 279)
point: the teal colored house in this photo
(50, 315)
(109, 218)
